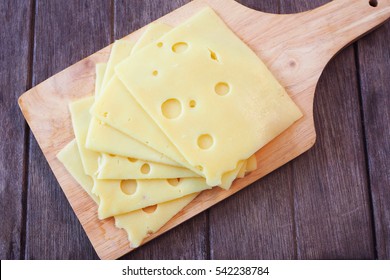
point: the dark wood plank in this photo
(374, 65)
(258, 222)
(15, 18)
(189, 240)
(65, 32)
(330, 184)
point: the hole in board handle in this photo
(373, 3)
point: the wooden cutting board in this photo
(295, 47)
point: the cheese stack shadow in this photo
(182, 110)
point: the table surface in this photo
(333, 202)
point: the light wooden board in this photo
(295, 47)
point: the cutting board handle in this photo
(340, 22)
(297, 47)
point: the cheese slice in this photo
(241, 173)
(229, 177)
(138, 224)
(113, 167)
(145, 222)
(69, 156)
(251, 164)
(135, 123)
(79, 111)
(209, 93)
(113, 199)
(101, 136)
(120, 50)
(117, 108)
(90, 159)
(152, 33)
(100, 70)
(118, 197)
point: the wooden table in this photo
(332, 202)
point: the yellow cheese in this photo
(138, 224)
(153, 32)
(80, 120)
(69, 156)
(101, 137)
(111, 167)
(118, 109)
(118, 197)
(113, 200)
(228, 177)
(132, 119)
(149, 221)
(251, 164)
(241, 173)
(120, 50)
(100, 70)
(79, 111)
(209, 93)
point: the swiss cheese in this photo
(121, 49)
(209, 93)
(100, 70)
(241, 173)
(114, 167)
(69, 156)
(141, 223)
(138, 224)
(80, 120)
(118, 197)
(101, 136)
(79, 111)
(117, 108)
(152, 33)
(129, 117)
(251, 164)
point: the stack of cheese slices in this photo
(180, 111)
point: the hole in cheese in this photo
(150, 209)
(171, 108)
(155, 73)
(222, 88)
(192, 104)
(173, 182)
(160, 44)
(132, 159)
(180, 47)
(199, 167)
(145, 168)
(105, 114)
(129, 186)
(213, 55)
(205, 141)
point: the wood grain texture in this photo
(330, 185)
(374, 66)
(66, 31)
(190, 239)
(296, 61)
(14, 79)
